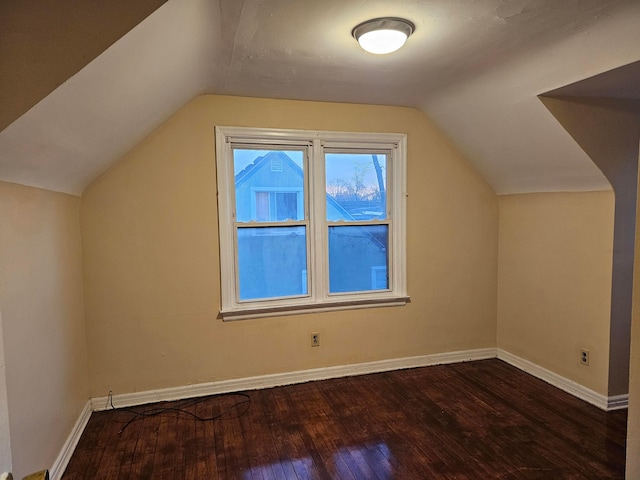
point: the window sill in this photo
(278, 311)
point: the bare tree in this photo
(381, 189)
(356, 187)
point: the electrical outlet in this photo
(584, 357)
(315, 339)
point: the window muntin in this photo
(283, 250)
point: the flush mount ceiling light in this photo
(383, 35)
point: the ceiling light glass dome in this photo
(383, 35)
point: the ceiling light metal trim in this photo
(381, 24)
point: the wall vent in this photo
(276, 165)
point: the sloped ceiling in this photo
(475, 67)
(43, 43)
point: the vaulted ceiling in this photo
(84, 82)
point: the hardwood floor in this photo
(476, 420)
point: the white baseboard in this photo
(594, 398)
(274, 380)
(279, 379)
(70, 445)
(617, 402)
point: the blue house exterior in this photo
(272, 260)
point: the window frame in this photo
(313, 143)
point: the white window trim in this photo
(318, 297)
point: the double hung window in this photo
(310, 220)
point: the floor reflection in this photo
(374, 461)
(364, 461)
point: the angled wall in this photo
(608, 131)
(633, 422)
(44, 42)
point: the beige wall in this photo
(42, 322)
(633, 422)
(554, 287)
(151, 265)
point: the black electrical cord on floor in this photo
(152, 412)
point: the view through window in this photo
(310, 221)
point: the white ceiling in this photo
(475, 67)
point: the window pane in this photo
(262, 206)
(269, 185)
(356, 186)
(358, 258)
(285, 206)
(272, 262)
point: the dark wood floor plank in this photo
(555, 418)
(145, 448)
(476, 420)
(272, 409)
